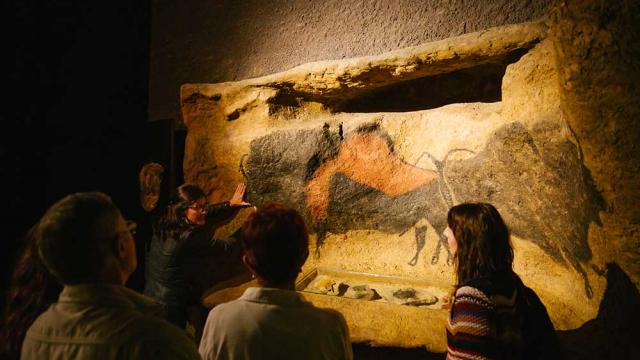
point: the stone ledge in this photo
(324, 81)
(376, 323)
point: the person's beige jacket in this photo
(97, 321)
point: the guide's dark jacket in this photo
(168, 257)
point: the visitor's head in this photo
(191, 204)
(84, 238)
(479, 240)
(276, 245)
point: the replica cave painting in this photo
(373, 167)
(355, 181)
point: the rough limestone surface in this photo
(374, 187)
(598, 44)
(597, 47)
(212, 41)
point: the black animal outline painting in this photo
(448, 198)
(280, 166)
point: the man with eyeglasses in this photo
(88, 246)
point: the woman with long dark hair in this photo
(493, 314)
(31, 291)
(184, 232)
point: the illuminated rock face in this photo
(374, 173)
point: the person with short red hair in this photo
(272, 321)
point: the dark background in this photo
(74, 111)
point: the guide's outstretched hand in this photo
(237, 200)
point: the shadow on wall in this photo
(613, 334)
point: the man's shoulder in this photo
(107, 320)
(144, 334)
(41, 323)
(231, 310)
(237, 305)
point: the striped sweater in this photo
(470, 329)
(500, 318)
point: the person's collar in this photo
(273, 296)
(108, 295)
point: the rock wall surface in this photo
(375, 186)
(215, 41)
(598, 52)
(597, 46)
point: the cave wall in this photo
(598, 51)
(199, 41)
(597, 46)
(556, 152)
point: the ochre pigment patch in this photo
(368, 160)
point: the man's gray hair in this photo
(73, 236)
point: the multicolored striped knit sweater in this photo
(470, 329)
(500, 318)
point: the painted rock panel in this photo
(375, 188)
